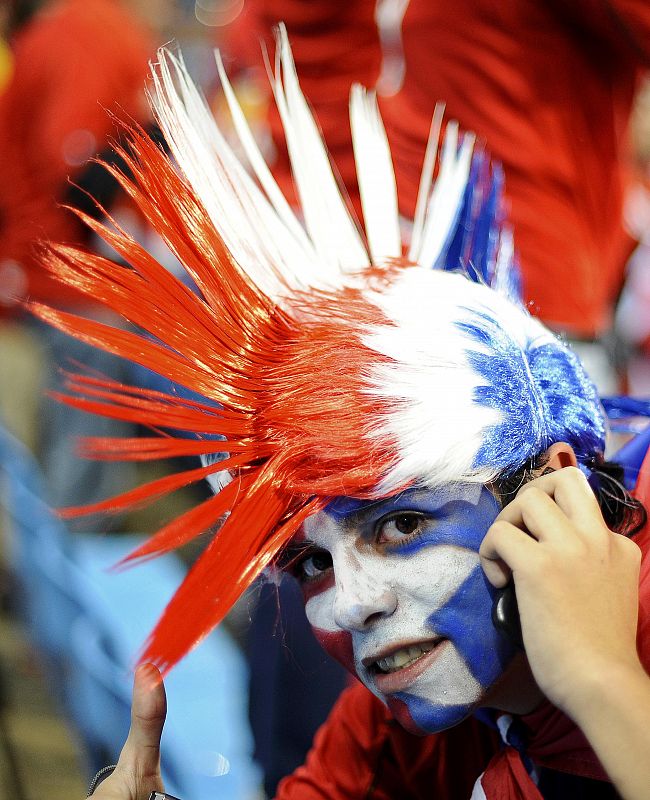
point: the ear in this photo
(560, 455)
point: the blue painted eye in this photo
(399, 526)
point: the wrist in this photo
(599, 686)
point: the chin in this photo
(422, 717)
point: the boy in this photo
(378, 408)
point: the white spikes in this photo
(445, 198)
(426, 178)
(253, 217)
(330, 226)
(256, 159)
(241, 214)
(376, 176)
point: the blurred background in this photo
(558, 95)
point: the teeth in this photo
(402, 658)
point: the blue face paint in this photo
(406, 574)
(466, 621)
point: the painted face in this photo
(394, 590)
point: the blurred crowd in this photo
(555, 92)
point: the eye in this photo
(313, 565)
(400, 526)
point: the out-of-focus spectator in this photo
(547, 86)
(13, 15)
(633, 312)
(74, 62)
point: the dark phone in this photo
(162, 796)
(505, 615)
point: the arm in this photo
(577, 589)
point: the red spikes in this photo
(148, 449)
(149, 492)
(190, 524)
(286, 387)
(226, 568)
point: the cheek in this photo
(339, 646)
(319, 608)
(466, 619)
(429, 579)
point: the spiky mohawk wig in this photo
(331, 362)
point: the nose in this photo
(361, 601)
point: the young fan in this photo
(371, 410)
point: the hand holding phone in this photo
(576, 583)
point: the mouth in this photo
(395, 670)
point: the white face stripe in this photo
(433, 580)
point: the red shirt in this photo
(73, 62)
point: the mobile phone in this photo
(505, 615)
(162, 796)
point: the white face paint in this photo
(395, 591)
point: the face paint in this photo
(395, 591)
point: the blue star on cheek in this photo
(466, 620)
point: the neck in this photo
(516, 692)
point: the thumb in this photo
(138, 769)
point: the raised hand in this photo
(576, 582)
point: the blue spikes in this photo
(478, 232)
(487, 224)
(453, 256)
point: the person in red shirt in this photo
(547, 86)
(398, 433)
(67, 75)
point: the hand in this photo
(138, 769)
(576, 585)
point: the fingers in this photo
(139, 762)
(503, 551)
(138, 769)
(559, 508)
(142, 748)
(544, 506)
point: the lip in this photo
(398, 681)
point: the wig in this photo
(332, 360)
